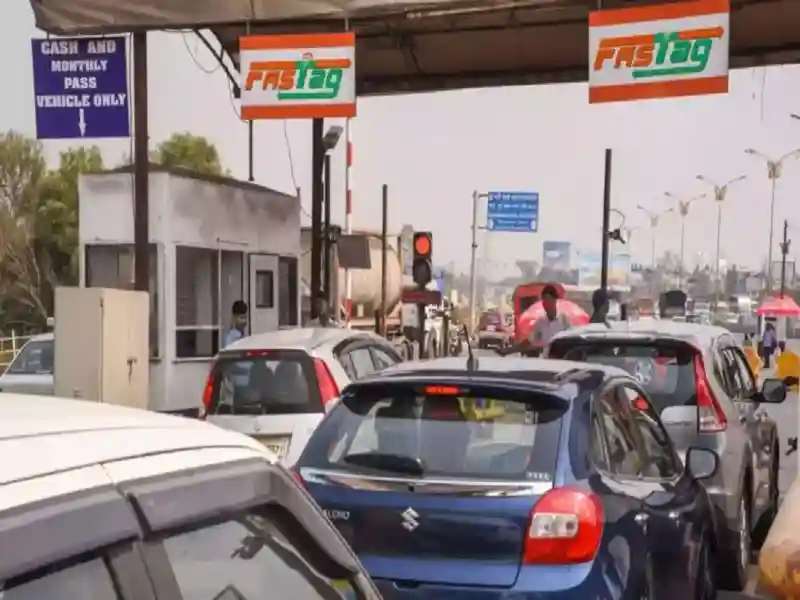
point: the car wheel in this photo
(733, 570)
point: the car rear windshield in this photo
(265, 382)
(35, 358)
(441, 431)
(664, 369)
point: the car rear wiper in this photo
(381, 461)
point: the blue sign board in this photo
(513, 211)
(81, 88)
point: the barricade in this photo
(779, 559)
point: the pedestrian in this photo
(239, 314)
(769, 342)
(544, 328)
(599, 306)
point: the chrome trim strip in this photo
(427, 485)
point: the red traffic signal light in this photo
(423, 244)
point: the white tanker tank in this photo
(366, 290)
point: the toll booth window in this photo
(265, 289)
(197, 297)
(112, 266)
(287, 292)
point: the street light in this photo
(720, 192)
(653, 217)
(774, 169)
(683, 211)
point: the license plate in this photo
(276, 445)
(490, 328)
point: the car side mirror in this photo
(701, 463)
(773, 391)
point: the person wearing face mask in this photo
(544, 328)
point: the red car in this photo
(495, 330)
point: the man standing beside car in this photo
(544, 328)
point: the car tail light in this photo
(565, 527)
(328, 390)
(208, 393)
(711, 418)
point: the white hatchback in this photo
(277, 386)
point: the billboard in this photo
(659, 51)
(556, 255)
(590, 267)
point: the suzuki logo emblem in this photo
(410, 517)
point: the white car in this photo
(277, 386)
(31, 371)
(105, 502)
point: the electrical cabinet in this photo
(102, 345)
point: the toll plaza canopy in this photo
(425, 45)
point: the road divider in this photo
(779, 559)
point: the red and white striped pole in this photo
(348, 208)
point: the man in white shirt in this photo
(545, 327)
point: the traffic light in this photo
(423, 251)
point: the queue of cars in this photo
(634, 462)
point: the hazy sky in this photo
(433, 150)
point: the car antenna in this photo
(472, 362)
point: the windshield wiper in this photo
(395, 463)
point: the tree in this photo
(38, 225)
(189, 151)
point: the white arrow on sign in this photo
(82, 122)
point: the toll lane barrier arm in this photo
(779, 559)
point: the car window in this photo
(383, 360)
(360, 360)
(35, 358)
(664, 370)
(731, 375)
(619, 435)
(247, 557)
(659, 458)
(84, 581)
(265, 382)
(746, 376)
(443, 431)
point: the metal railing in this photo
(10, 347)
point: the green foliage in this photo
(39, 217)
(189, 151)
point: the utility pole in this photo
(784, 252)
(473, 262)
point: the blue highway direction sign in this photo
(513, 211)
(81, 88)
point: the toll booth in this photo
(213, 240)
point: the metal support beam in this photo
(141, 165)
(317, 191)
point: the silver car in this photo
(699, 379)
(277, 386)
(31, 371)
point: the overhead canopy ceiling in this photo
(426, 45)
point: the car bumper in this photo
(579, 582)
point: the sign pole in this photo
(606, 222)
(141, 165)
(473, 261)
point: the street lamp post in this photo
(683, 211)
(653, 217)
(774, 170)
(720, 192)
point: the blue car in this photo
(513, 479)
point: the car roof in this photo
(303, 338)
(697, 334)
(53, 435)
(540, 371)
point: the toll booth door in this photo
(263, 287)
